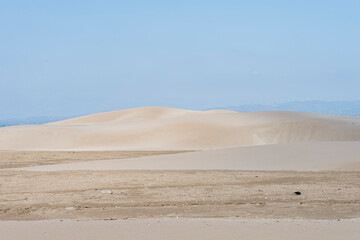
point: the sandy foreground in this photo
(31, 195)
(191, 204)
(247, 229)
(90, 204)
(175, 204)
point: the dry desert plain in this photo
(162, 173)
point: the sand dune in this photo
(340, 156)
(159, 128)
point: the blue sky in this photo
(74, 57)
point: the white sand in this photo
(158, 128)
(264, 229)
(295, 156)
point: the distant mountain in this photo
(346, 108)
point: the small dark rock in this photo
(297, 193)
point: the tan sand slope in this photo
(159, 128)
(340, 156)
(16, 159)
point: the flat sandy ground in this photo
(175, 204)
(30, 195)
(209, 229)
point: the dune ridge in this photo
(160, 128)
